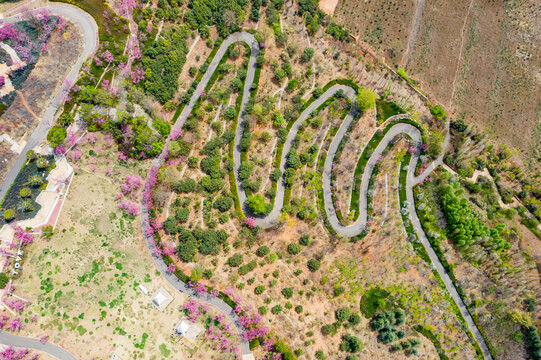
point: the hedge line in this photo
(232, 175)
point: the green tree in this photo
(257, 204)
(366, 99)
(438, 112)
(313, 265)
(56, 135)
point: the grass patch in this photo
(372, 301)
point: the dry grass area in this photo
(328, 6)
(384, 259)
(83, 282)
(384, 24)
(25, 112)
(480, 59)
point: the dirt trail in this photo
(415, 25)
(459, 58)
(23, 100)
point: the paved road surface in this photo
(24, 342)
(89, 31)
(145, 220)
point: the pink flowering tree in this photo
(23, 236)
(250, 222)
(15, 324)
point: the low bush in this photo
(235, 260)
(313, 265)
(287, 292)
(293, 249)
(262, 251)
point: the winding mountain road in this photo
(89, 30)
(157, 163)
(273, 217)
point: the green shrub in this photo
(259, 289)
(329, 329)
(272, 257)
(287, 292)
(245, 269)
(185, 186)
(47, 231)
(42, 163)
(305, 240)
(320, 355)
(276, 309)
(27, 206)
(351, 344)
(35, 181)
(3, 280)
(342, 314)
(293, 249)
(9, 214)
(354, 319)
(262, 251)
(338, 290)
(438, 112)
(25, 192)
(298, 309)
(313, 265)
(235, 260)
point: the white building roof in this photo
(187, 329)
(161, 299)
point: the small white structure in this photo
(143, 289)
(114, 357)
(187, 329)
(161, 299)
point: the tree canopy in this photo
(366, 99)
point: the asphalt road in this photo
(89, 31)
(24, 342)
(273, 217)
(145, 219)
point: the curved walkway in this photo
(273, 217)
(89, 30)
(7, 338)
